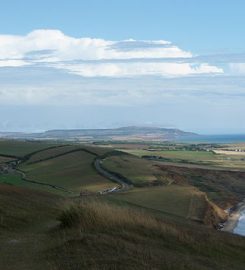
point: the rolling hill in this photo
(166, 218)
(132, 133)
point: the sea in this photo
(240, 228)
(222, 139)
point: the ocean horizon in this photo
(217, 138)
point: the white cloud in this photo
(54, 49)
(138, 69)
(13, 63)
(69, 48)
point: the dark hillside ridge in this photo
(123, 133)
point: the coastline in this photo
(233, 218)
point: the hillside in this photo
(125, 133)
(42, 231)
(82, 206)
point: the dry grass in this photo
(97, 235)
(92, 215)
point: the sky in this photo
(103, 64)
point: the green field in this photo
(69, 167)
(192, 157)
(178, 154)
(22, 148)
(139, 171)
(223, 187)
(26, 217)
(73, 171)
(15, 179)
(183, 201)
(50, 153)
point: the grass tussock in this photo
(94, 216)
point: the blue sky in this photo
(199, 26)
(167, 63)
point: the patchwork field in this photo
(166, 220)
(222, 186)
(73, 171)
(183, 154)
(216, 158)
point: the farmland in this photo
(16, 180)
(139, 171)
(51, 187)
(175, 200)
(22, 148)
(73, 171)
(214, 158)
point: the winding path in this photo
(114, 177)
(109, 175)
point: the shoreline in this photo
(233, 218)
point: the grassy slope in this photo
(223, 187)
(53, 164)
(22, 148)
(50, 153)
(171, 199)
(25, 218)
(181, 201)
(25, 225)
(15, 179)
(73, 171)
(100, 236)
(141, 172)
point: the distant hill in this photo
(131, 133)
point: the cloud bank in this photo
(90, 57)
(51, 80)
